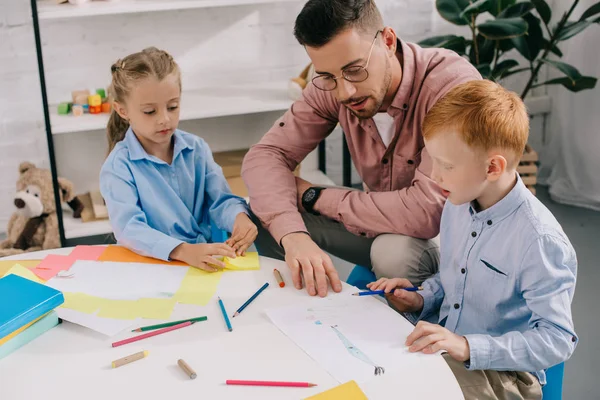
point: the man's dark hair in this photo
(321, 20)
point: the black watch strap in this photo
(309, 199)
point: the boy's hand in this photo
(201, 255)
(399, 299)
(431, 338)
(243, 235)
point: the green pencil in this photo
(167, 324)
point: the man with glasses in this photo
(378, 88)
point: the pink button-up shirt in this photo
(402, 198)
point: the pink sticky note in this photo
(51, 265)
(89, 253)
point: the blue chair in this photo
(554, 382)
(360, 276)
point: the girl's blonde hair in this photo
(150, 62)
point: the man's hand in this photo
(431, 338)
(243, 235)
(301, 187)
(307, 260)
(201, 255)
(401, 300)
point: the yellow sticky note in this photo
(198, 287)
(347, 391)
(5, 266)
(18, 269)
(155, 308)
(81, 302)
(245, 263)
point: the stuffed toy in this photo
(297, 84)
(34, 225)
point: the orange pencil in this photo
(278, 277)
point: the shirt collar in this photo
(137, 152)
(407, 61)
(504, 207)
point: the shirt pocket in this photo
(404, 170)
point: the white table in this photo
(72, 362)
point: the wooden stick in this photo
(129, 359)
(187, 369)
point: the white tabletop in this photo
(72, 362)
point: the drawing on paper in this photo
(356, 352)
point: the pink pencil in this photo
(270, 383)
(150, 334)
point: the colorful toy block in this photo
(64, 108)
(77, 110)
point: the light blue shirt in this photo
(506, 281)
(154, 207)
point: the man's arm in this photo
(267, 168)
(413, 211)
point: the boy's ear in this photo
(496, 166)
(121, 110)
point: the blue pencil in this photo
(374, 292)
(251, 299)
(225, 317)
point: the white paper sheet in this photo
(121, 281)
(349, 336)
(106, 326)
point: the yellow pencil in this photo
(130, 358)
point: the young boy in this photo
(502, 296)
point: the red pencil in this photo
(150, 334)
(270, 383)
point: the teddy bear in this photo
(34, 225)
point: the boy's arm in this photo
(127, 219)
(224, 206)
(433, 296)
(547, 282)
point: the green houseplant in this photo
(499, 26)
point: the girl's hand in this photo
(243, 235)
(201, 255)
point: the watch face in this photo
(309, 195)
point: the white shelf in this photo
(74, 228)
(48, 10)
(206, 103)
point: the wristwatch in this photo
(310, 197)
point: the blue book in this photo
(23, 301)
(46, 323)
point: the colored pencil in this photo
(225, 317)
(278, 277)
(150, 334)
(270, 383)
(167, 324)
(375, 292)
(129, 359)
(251, 299)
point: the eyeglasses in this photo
(354, 73)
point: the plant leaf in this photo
(480, 6)
(503, 28)
(570, 71)
(543, 9)
(451, 42)
(572, 29)
(485, 70)
(451, 10)
(503, 67)
(593, 10)
(506, 45)
(516, 10)
(486, 51)
(529, 45)
(584, 83)
(497, 6)
(514, 71)
(554, 48)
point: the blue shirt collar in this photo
(504, 207)
(137, 152)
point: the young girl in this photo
(161, 185)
